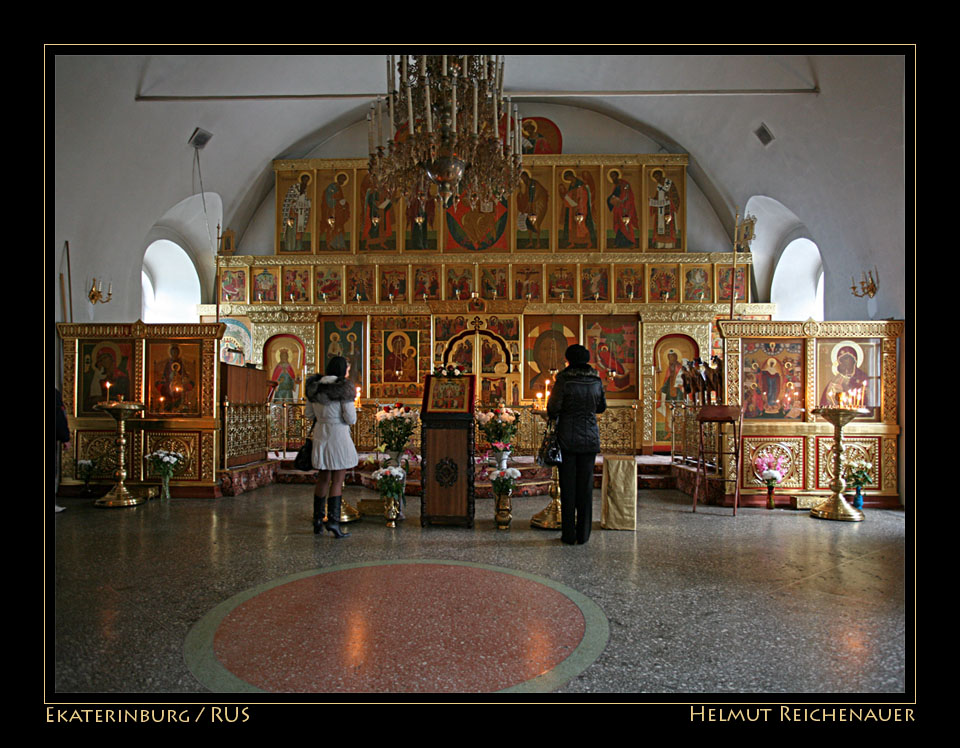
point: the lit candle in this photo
(108, 391)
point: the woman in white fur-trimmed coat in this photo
(330, 402)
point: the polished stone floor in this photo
(769, 602)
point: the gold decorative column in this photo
(119, 495)
(836, 507)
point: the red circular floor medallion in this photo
(406, 627)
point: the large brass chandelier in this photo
(446, 123)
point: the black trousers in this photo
(576, 496)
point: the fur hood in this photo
(324, 389)
(578, 372)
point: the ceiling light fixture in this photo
(447, 124)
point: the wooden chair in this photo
(720, 414)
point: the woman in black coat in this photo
(577, 397)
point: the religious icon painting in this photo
(629, 283)
(493, 282)
(401, 355)
(546, 339)
(459, 283)
(296, 201)
(361, 286)
(343, 336)
(173, 378)
(494, 355)
(664, 190)
(612, 342)
(446, 327)
(578, 217)
(561, 283)
(426, 283)
(420, 217)
(459, 352)
(534, 209)
(477, 226)
(848, 374)
(772, 379)
(540, 135)
(296, 285)
(724, 273)
(264, 285)
(233, 285)
(393, 284)
(328, 284)
(376, 217)
(237, 341)
(494, 390)
(334, 211)
(283, 360)
(228, 242)
(448, 396)
(696, 282)
(663, 283)
(670, 354)
(622, 223)
(528, 282)
(595, 283)
(507, 327)
(105, 373)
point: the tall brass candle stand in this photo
(119, 495)
(836, 507)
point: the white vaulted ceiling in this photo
(122, 164)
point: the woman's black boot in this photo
(318, 502)
(333, 517)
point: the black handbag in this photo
(304, 459)
(549, 453)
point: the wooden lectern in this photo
(446, 449)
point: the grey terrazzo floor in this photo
(769, 602)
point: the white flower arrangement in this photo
(396, 423)
(391, 471)
(771, 475)
(503, 481)
(390, 481)
(164, 461)
(499, 424)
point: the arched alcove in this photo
(170, 284)
(797, 285)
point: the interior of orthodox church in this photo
(725, 234)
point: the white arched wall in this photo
(191, 225)
(797, 285)
(171, 285)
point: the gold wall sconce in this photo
(868, 284)
(96, 292)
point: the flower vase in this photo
(858, 498)
(502, 458)
(504, 507)
(164, 487)
(393, 457)
(771, 504)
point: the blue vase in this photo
(858, 498)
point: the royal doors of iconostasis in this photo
(484, 345)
